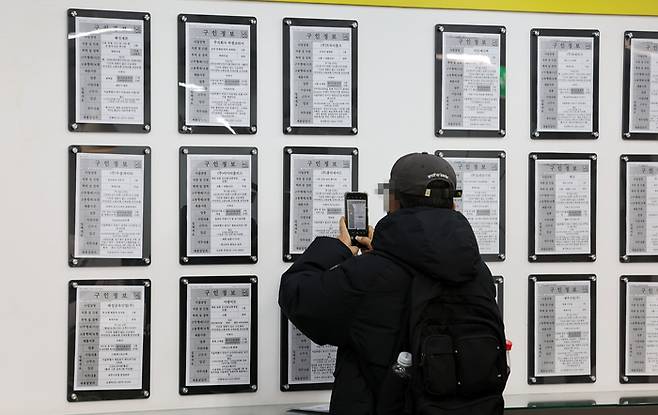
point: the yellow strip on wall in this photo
(619, 7)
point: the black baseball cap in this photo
(413, 173)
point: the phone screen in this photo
(356, 214)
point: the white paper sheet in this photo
(109, 337)
(641, 329)
(642, 208)
(309, 362)
(643, 108)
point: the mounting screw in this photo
(533, 380)
(146, 393)
(627, 135)
(147, 17)
(286, 387)
(147, 284)
(593, 156)
(74, 285)
(185, 281)
(499, 280)
(625, 158)
(74, 397)
(593, 378)
(74, 126)
(147, 150)
(440, 28)
(184, 390)
(440, 153)
(147, 261)
(503, 30)
(254, 151)
(355, 25)
(625, 258)
(502, 132)
(74, 150)
(252, 129)
(184, 19)
(74, 261)
(629, 35)
(289, 150)
(147, 127)
(592, 277)
(289, 129)
(502, 155)
(625, 279)
(252, 21)
(185, 259)
(185, 151)
(254, 387)
(355, 152)
(535, 134)
(73, 13)
(441, 132)
(595, 134)
(288, 257)
(288, 22)
(596, 34)
(592, 257)
(534, 156)
(624, 379)
(186, 129)
(253, 279)
(254, 259)
(533, 279)
(501, 256)
(355, 130)
(536, 32)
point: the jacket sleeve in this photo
(316, 293)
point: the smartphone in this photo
(356, 214)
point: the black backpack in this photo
(457, 340)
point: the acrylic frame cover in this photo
(627, 134)
(532, 255)
(286, 386)
(145, 260)
(623, 329)
(73, 395)
(534, 78)
(73, 124)
(186, 259)
(545, 380)
(288, 128)
(624, 256)
(252, 386)
(288, 256)
(248, 21)
(439, 131)
(502, 173)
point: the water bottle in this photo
(401, 368)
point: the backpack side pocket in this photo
(438, 365)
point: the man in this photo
(359, 302)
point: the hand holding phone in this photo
(356, 214)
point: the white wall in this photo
(396, 87)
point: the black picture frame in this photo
(285, 384)
(624, 159)
(535, 133)
(502, 225)
(627, 134)
(499, 283)
(532, 255)
(440, 29)
(623, 329)
(546, 380)
(145, 260)
(252, 386)
(251, 23)
(73, 124)
(73, 395)
(186, 259)
(289, 151)
(288, 128)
